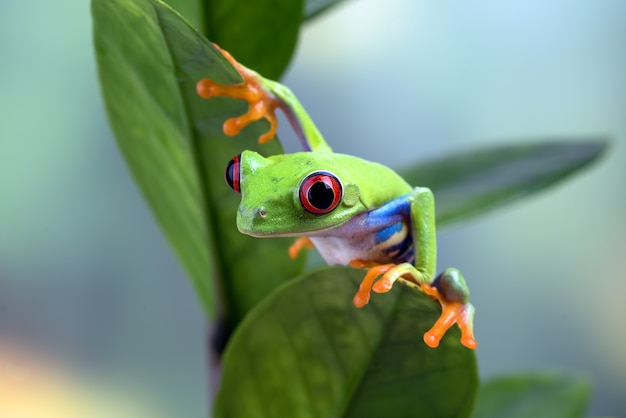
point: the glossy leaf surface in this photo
(306, 351)
(533, 395)
(191, 10)
(261, 34)
(470, 183)
(149, 61)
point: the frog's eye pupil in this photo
(320, 192)
(233, 173)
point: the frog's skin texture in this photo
(355, 212)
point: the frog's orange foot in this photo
(454, 305)
(362, 296)
(262, 104)
(361, 264)
(451, 312)
(403, 273)
(298, 245)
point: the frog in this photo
(355, 212)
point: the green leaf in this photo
(474, 182)
(306, 351)
(313, 8)
(534, 395)
(149, 61)
(261, 34)
(192, 10)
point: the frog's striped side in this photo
(396, 242)
(382, 235)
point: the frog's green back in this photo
(377, 183)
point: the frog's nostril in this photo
(260, 212)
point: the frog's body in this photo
(373, 226)
(355, 212)
(370, 236)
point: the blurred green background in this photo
(86, 276)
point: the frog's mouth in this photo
(274, 234)
(258, 223)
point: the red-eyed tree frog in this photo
(355, 212)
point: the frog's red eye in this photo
(320, 192)
(233, 173)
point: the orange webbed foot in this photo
(362, 296)
(454, 307)
(451, 312)
(262, 104)
(298, 245)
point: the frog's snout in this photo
(260, 213)
(249, 220)
(252, 214)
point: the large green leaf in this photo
(533, 395)
(192, 10)
(261, 34)
(149, 61)
(306, 351)
(313, 8)
(471, 183)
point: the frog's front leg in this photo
(362, 296)
(264, 97)
(449, 288)
(298, 245)
(262, 104)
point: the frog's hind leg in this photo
(449, 288)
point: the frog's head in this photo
(293, 194)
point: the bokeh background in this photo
(87, 280)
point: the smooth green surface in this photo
(191, 10)
(149, 61)
(306, 351)
(270, 183)
(261, 34)
(533, 396)
(470, 183)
